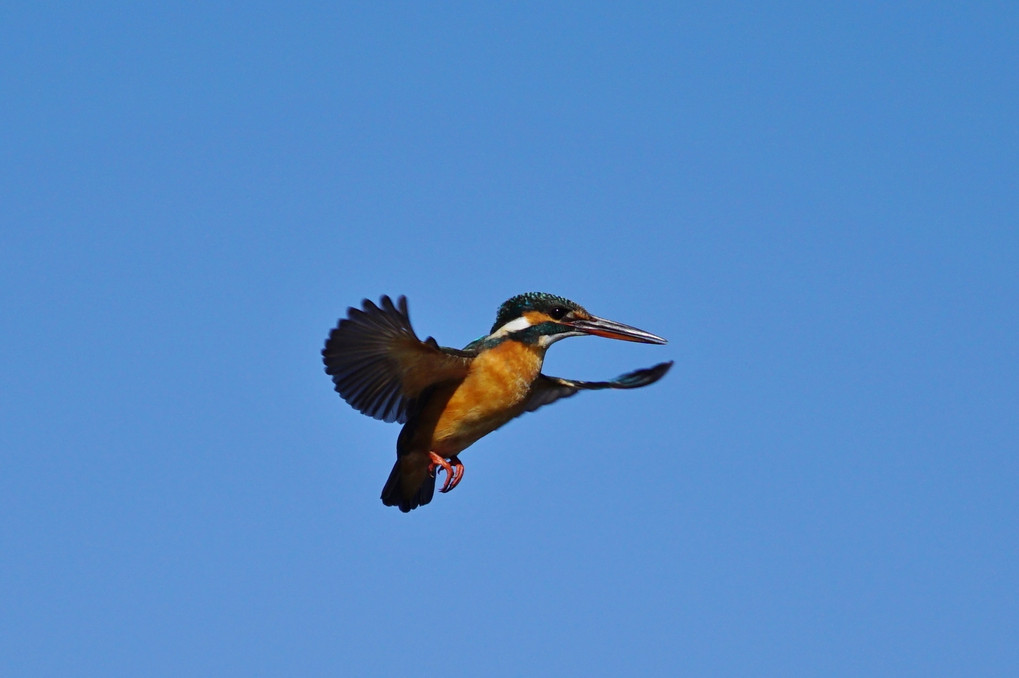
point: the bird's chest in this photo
(495, 390)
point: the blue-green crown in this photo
(530, 301)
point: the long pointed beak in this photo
(613, 330)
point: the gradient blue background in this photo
(817, 204)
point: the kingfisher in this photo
(447, 398)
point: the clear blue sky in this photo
(817, 204)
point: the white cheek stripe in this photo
(515, 325)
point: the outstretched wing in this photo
(550, 389)
(378, 364)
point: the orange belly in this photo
(495, 391)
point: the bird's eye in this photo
(557, 312)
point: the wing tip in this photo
(645, 376)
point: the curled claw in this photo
(458, 474)
(453, 468)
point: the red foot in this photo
(453, 468)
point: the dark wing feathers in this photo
(550, 389)
(379, 365)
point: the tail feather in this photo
(410, 484)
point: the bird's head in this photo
(541, 318)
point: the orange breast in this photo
(494, 392)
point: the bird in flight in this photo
(447, 398)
